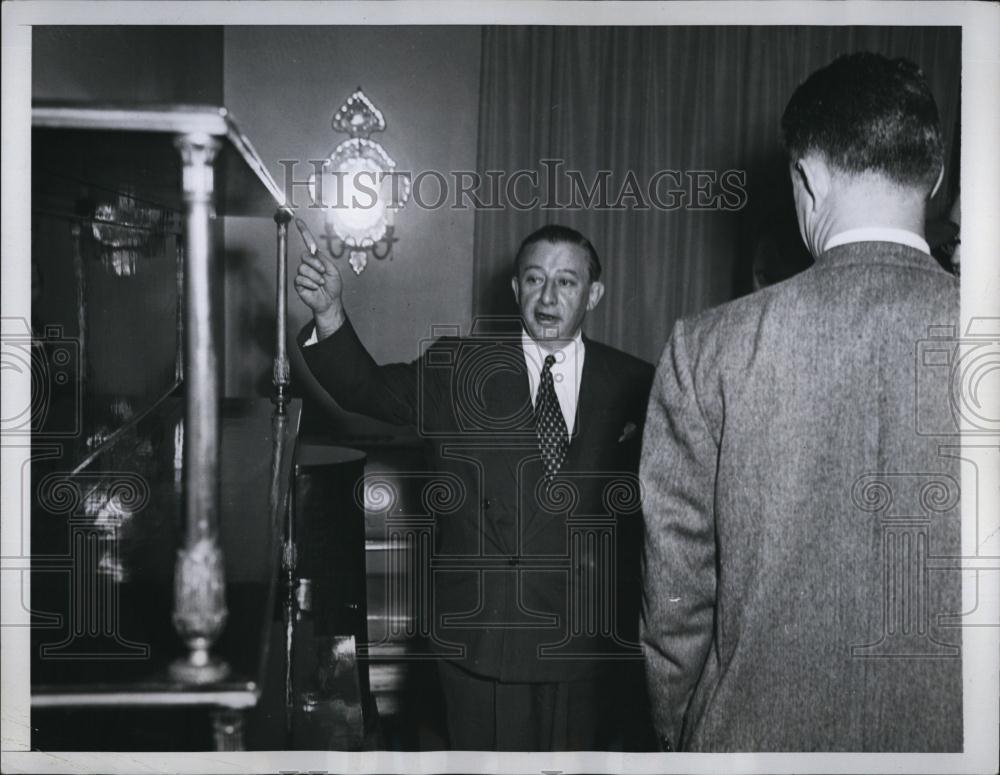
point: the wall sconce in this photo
(359, 187)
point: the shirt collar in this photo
(535, 355)
(878, 234)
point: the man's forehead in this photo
(561, 256)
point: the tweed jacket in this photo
(513, 561)
(798, 492)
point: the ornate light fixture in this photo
(359, 187)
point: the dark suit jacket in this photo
(512, 561)
(798, 494)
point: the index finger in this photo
(314, 260)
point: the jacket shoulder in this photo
(629, 366)
(444, 343)
(745, 310)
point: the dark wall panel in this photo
(114, 63)
(283, 85)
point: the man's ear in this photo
(595, 294)
(514, 287)
(813, 174)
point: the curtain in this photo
(565, 103)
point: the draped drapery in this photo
(680, 125)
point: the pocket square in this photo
(628, 432)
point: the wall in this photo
(146, 64)
(283, 85)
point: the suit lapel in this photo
(507, 399)
(594, 389)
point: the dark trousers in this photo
(484, 714)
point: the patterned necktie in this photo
(553, 438)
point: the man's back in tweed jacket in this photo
(795, 504)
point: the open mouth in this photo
(547, 320)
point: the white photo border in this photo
(980, 297)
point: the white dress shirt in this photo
(878, 234)
(567, 372)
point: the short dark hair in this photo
(865, 112)
(555, 234)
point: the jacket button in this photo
(487, 503)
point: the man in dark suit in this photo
(535, 437)
(798, 496)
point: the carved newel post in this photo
(199, 578)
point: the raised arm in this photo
(678, 471)
(339, 361)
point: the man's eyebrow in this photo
(560, 270)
